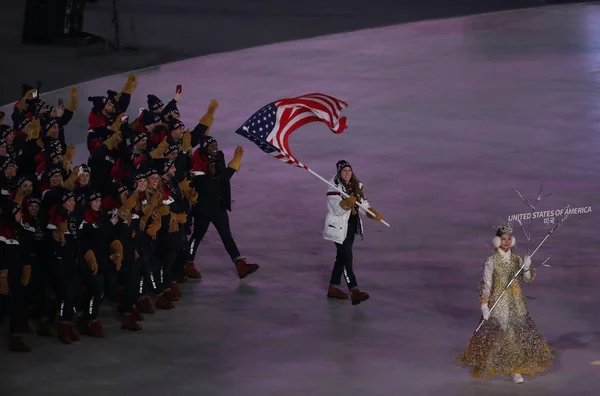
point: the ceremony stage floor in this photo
(446, 119)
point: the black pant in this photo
(179, 265)
(220, 219)
(94, 290)
(67, 280)
(149, 266)
(13, 304)
(130, 276)
(344, 258)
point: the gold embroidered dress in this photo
(509, 341)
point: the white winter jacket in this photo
(336, 221)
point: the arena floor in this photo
(446, 119)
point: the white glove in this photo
(526, 263)
(485, 311)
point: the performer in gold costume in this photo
(509, 341)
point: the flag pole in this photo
(344, 194)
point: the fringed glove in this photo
(34, 129)
(348, 203)
(181, 218)
(185, 186)
(68, 157)
(236, 162)
(159, 151)
(116, 254)
(59, 233)
(114, 140)
(72, 105)
(130, 85)
(526, 263)
(186, 144)
(173, 224)
(485, 311)
(377, 217)
(4, 289)
(19, 197)
(116, 126)
(162, 210)
(192, 197)
(155, 226)
(69, 184)
(208, 118)
(22, 105)
(26, 275)
(90, 259)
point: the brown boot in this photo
(177, 290)
(182, 279)
(16, 344)
(130, 324)
(145, 305)
(74, 335)
(92, 329)
(244, 269)
(162, 302)
(191, 272)
(358, 296)
(137, 315)
(64, 333)
(336, 292)
(171, 295)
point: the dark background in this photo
(163, 31)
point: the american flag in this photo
(270, 127)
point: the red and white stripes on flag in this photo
(270, 127)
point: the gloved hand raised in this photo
(485, 311)
(526, 263)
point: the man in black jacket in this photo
(211, 179)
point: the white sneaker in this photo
(517, 378)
